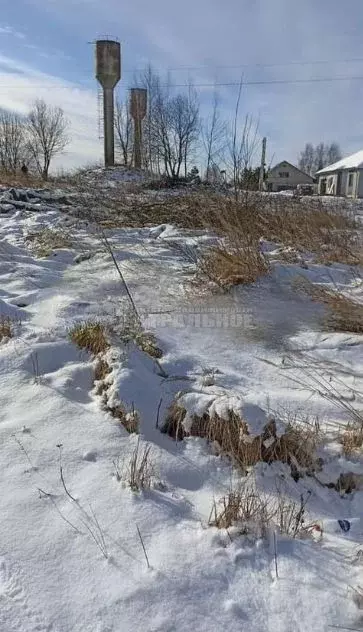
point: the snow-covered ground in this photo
(75, 563)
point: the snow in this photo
(75, 563)
(355, 161)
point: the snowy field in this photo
(82, 552)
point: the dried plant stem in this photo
(143, 546)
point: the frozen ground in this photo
(77, 564)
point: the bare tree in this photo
(243, 144)
(150, 81)
(176, 129)
(12, 141)
(307, 159)
(314, 158)
(123, 128)
(47, 134)
(213, 137)
(333, 154)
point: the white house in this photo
(344, 177)
(285, 176)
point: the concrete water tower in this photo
(138, 107)
(108, 73)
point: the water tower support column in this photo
(109, 138)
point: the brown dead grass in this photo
(352, 439)
(344, 314)
(296, 447)
(90, 336)
(228, 265)
(129, 420)
(6, 328)
(141, 469)
(250, 511)
(44, 241)
(21, 180)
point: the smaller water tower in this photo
(138, 107)
(108, 73)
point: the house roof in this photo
(286, 162)
(355, 161)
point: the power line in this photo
(203, 85)
(262, 83)
(258, 65)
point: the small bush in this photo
(44, 241)
(6, 328)
(90, 336)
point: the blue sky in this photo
(45, 51)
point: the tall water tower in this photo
(108, 73)
(138, 108)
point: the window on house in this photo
(351, 180)
(284, 174)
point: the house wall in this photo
(276, 182)
(338, 183)
(360, 184)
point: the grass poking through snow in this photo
(90, 336)
(344, 313)
(44, 241)
(6, 328)
(296, 446)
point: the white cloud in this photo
(9, 30)
(20, 85)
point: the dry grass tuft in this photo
(345, 314)
(91, 336)
(296, 447)
(228, 265)
(352, 439)
(244, 506)
(146, 341)
(6, 328)
(141, 469)
(129, 420)
(251, 512)
(44, 241)
(101, 371)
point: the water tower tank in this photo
(108, 63)
(108, 73)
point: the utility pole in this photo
(262, 167)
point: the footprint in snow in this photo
(90, 456)
(15, 612)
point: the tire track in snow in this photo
(16, 615)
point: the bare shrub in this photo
(290, 516)
(44, 241)
(141, 470)
(296, 447)
(345, 314)
(6, 327)
(91, 336)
